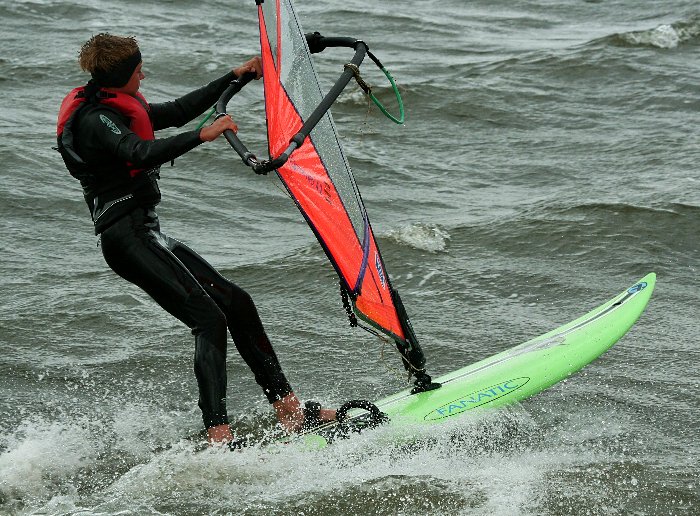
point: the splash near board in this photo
(305, 151)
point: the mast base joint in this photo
(424, 383)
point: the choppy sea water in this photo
(549, 159)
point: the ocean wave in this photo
(590, 233)
(666, 36)
(657, 210)
(424, 237)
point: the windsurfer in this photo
(106, 138)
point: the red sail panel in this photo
(317, 174)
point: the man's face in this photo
(134, 83)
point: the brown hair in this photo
(103, 52)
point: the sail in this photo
(317, 174)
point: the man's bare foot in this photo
(220, 434)
(290, 413)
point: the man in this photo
(106, 138)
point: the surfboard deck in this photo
(509, 376)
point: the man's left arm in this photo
(178, 112)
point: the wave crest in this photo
(421, 236)
(663, 36)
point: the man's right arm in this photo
(108, 133)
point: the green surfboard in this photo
(512, 375)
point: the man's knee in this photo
(241, 307)
(205, 316)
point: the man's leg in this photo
(243, 322)
(135, 250)
(250, 338)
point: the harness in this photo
(112, 188)
(136, 109)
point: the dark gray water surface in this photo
(549, 159)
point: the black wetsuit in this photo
(177, 278)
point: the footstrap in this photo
(374, 418)
(237, 444)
